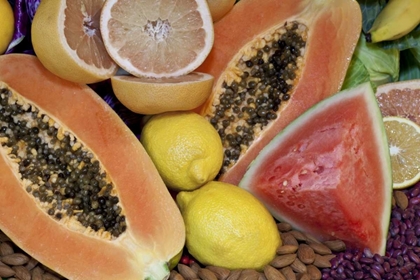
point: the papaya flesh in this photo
(151, 230)
(271, 61)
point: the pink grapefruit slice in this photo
(158, 39)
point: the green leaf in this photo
(370, 10)
(382, 64)
(410, 67)
(411, 40)
(356, 74)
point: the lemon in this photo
(404, 147)
(7, 23)
(185, 148)
(227, 226)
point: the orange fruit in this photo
(157, 39)
(154, 96)
(219, 8)
(67, 40)
(400, 99)
(404, 147)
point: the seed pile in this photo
(299, 257)
(402, 258)
(256, 87)
(62, 174)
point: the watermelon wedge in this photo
(328, 173)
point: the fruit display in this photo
(77, 184)
(326, 163)
(269, 73)
(161, 105)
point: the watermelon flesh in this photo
(328, 173)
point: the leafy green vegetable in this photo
(382, 64)
(370, 10)
(356, 74)
(410, 67)
(370, 62)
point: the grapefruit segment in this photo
(328, 173)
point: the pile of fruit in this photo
(156, 140)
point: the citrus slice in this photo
(400, 99)
(153, 96)
(157, 39)
(404, 146)
(67, 40)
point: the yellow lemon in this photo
(185, 148)
(7, 23)
(227, 226)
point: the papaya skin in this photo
(155, 229)
(333, 30)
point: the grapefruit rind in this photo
(154, 96)
(376, 161)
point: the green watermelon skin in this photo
(329, 173)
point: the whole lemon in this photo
(185, 148)
(227, 226)
(7, 25)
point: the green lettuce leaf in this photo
(382, 64)
(356, 74)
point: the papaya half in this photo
(271, 61)
(78, 192)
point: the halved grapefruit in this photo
(157, 39)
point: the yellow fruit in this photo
(219, 8)
(175, 260)
(155, 96)
(185, 148)
(227, 226)
(157, 39)
(7, 25)
(404, 146)
(67, 41)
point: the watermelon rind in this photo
(309, 118)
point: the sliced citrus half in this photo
(153, 96)
(164, 38)
(400, 99)
(404, 146)
(67, 40)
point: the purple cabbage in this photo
(24, 11)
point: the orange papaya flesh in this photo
(327, 33)
(154, 230)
